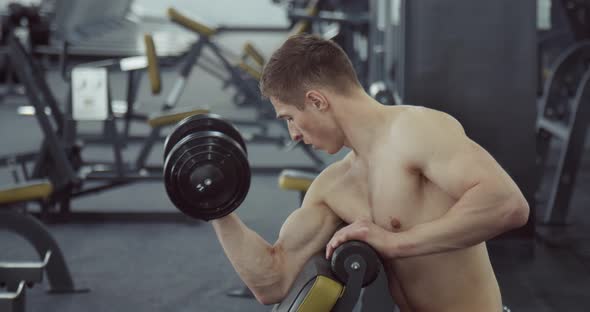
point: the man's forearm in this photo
(252, 257)
(476, 217)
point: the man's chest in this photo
(381, 190)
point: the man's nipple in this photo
(396, 225)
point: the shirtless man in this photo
(414, 186)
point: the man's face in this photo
(310, 125)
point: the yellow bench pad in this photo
(322, 296)
(153, 64)
(296, 180)
(172, 117)
(252, 52)
(256, 74)
(26, 191)
(191, 24)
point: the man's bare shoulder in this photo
(420, 118)
(335, 170)
(331, 174)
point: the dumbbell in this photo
(206, 169)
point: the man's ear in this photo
(317, 100)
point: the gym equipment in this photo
(58, 274)
(247, 90)
(55, 159)
(29, 16)
(204, 122)
(380, 92)
(295, 180)
(253, 60)
(380, 17)
(21, 17)
(346, 259)
(564, 116)
(335, 285)
(563, 113)
(59, 158)
(13, 301)
(15, 275)
(106, 30)
(90, 100)
(206, 170)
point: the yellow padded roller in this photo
(302, 26)
(295, 180)
(34, 190)
(153, 64)
(172, 117)
(322, 296)
(252, 52)
(250, 70)
(299, 28)
(189, 23)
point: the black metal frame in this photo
(13, 301)
(53, 149)
(134, 77)
(31, 229)
(58, 158)
(565, 117)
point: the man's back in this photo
(388, 190)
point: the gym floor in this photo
(181, 266)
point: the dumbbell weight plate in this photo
(202, 122)
(207, 174)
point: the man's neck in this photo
(361, 119)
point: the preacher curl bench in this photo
(333, 286)
(207, 176)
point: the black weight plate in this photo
(208, 152)
(207, 148)
(355, 248)
(202, 122)
(216, 150)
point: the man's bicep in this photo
(309, 228)
(306, 231)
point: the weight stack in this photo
(475, 60)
